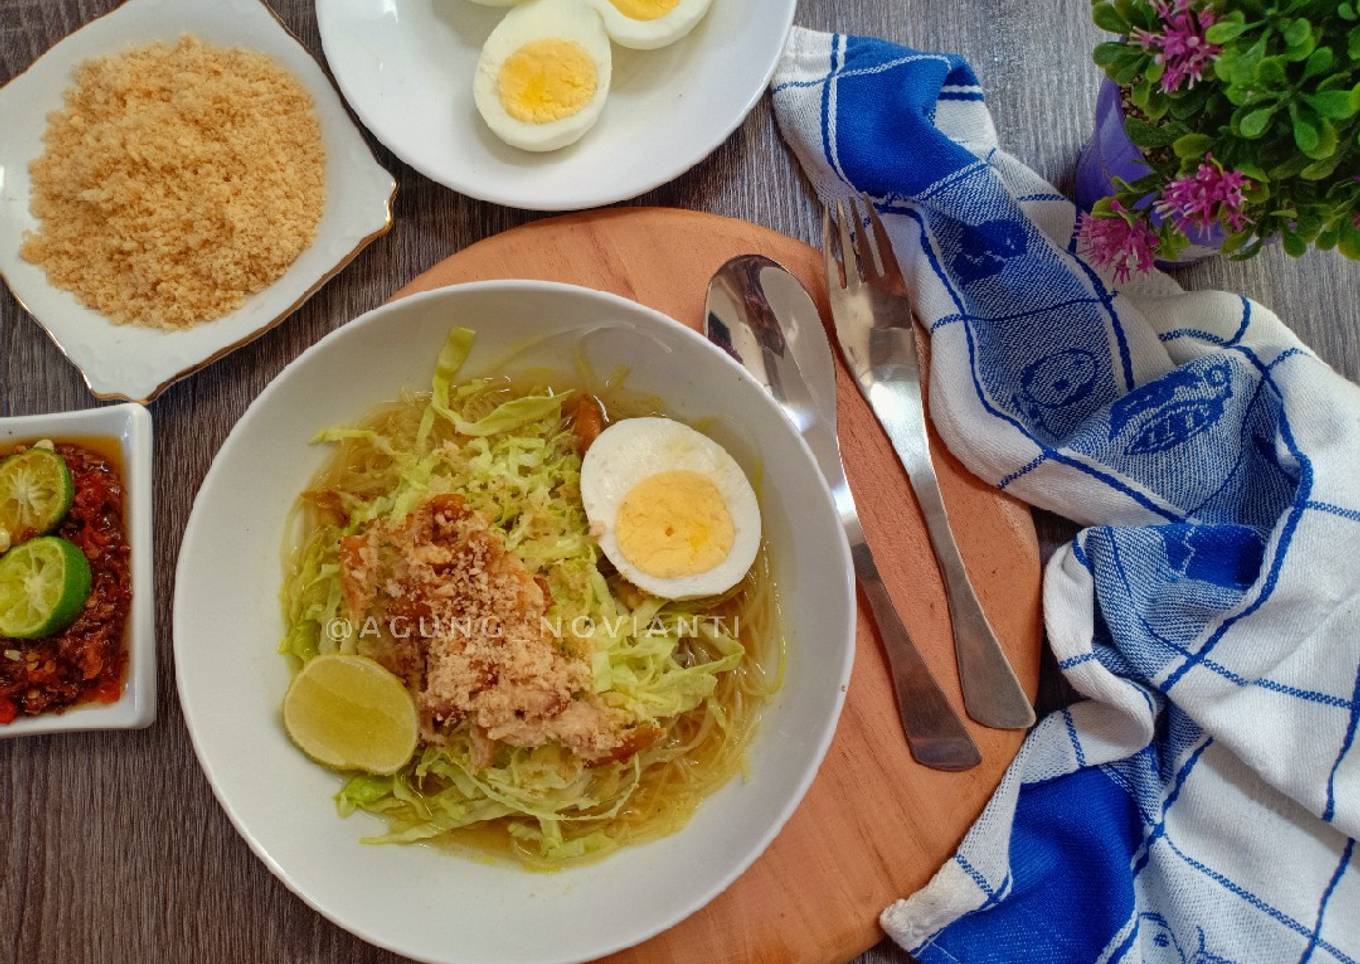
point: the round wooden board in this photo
(874, 826)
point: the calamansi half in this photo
(43, 587)
(35, 492)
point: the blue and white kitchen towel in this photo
(1201, 803)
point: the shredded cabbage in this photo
(513, 458)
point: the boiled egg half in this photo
(672, 510)
(544, 74)
(648, 24)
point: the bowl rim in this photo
(841, 548)
(130, 425)
(469, 185)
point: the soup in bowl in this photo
(506, 577)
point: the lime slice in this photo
(35, 492)
(43, 586)
(349, 713)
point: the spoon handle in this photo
(935, 734)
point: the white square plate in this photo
(130, 425)
(136, 363)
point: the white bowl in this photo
(131, 426)
(420, 901)
(407, 68)
(135, 363)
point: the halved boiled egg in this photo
(544, 74)
(648, 24)
(672, 510)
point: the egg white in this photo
(572, 20)
(636, 448)
(651, 34)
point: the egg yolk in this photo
(547, 80)
(674, 524)
(644, 9)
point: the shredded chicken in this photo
(463, 623)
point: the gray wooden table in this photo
(112, 845)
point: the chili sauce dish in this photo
(77, 604)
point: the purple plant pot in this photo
(1110, 154)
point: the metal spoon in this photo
(763, 317)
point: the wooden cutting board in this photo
(874, 826)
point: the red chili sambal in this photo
(87, 661)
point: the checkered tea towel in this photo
(1201, 802)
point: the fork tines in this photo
(854, 254)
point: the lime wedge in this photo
(43, 586)
(349, 713)
(35, 492)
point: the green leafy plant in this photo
(1248, 115)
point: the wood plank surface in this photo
(112, 846)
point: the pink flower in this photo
(1123, 241)
(1181, 46)
(1209, 196)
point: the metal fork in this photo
(876, 327)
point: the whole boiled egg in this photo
(671, 509)
(648, 24)
(544, 74)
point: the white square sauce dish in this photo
(77, 484)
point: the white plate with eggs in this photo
(423, 901)
(553, 104)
